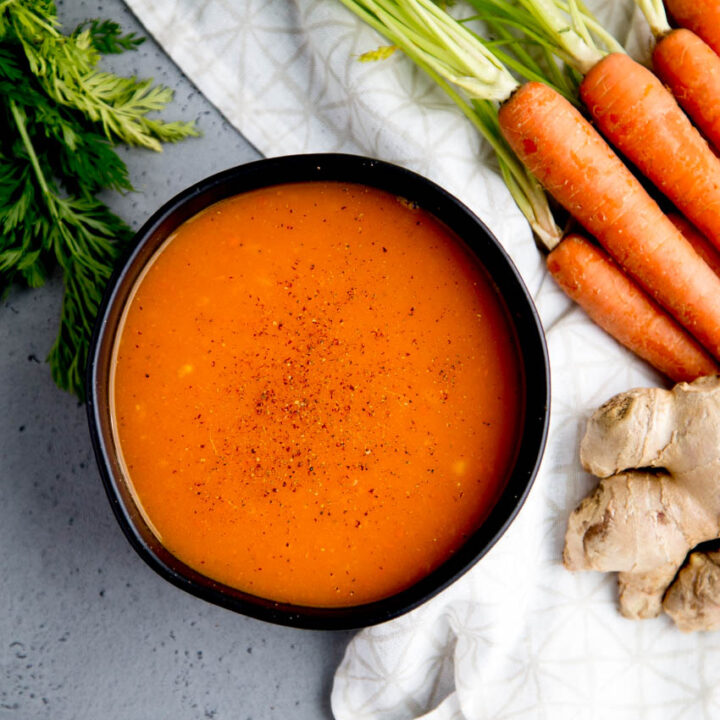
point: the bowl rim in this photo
(522, 314)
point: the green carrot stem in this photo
(572, 37)
(595, 28)
(654, 12)
(565, 26)
(19, 117)
(442, 43)
(522, 62)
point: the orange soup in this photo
(316, 393)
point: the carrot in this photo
(639, 116)
(692, 71)
(700, 16)
(620, 307)
(701, 244)
(584, 175)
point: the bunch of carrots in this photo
(653, 280)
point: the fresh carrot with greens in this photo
(573, 162)
(614, 302)
(700, 16)
(629, 105)
(579, 169)
(703, 247)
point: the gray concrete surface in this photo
(87, 630)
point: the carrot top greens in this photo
(59, 119)
(565, 29)
(467, 69)
(654, 12)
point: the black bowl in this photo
(520, 309)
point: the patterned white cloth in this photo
(518, 636)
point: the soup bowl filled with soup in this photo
(318, 390)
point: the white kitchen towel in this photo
(518, 636)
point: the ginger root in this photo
(658, 454)
(693, 600)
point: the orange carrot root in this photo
(635, 111)
(691, 69)
(585, 176)
(703, 247)
(700, 16)
(620, 307)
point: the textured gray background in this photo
(87, 630)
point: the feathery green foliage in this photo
(59, 119)
(107, 37)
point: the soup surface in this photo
(316, 393)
